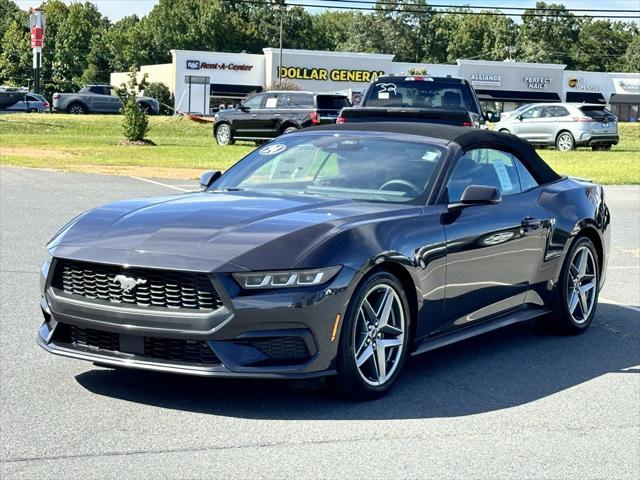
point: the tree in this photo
(482, 37)
(16, 58)
(73, 43)
(630, 62)
(549, 39)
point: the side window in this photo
(31, 98)
(254, 102)
(535, 112)
(555, 111)
(295, 100)
(271, 100)
(527, 182)
(484, 166)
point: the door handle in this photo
(254, 115)
(530, 223)
(277, 115)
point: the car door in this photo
(245, 120)
(554, 118)
(98, 101)
(270, 116)
(492, 249)
(526, 124)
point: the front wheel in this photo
(289, 129)
(223, 134)
(375, 338)
(565, 142)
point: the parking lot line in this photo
(173, 187)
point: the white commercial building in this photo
(202, 82)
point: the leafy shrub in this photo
(135, 123)
(160, 92)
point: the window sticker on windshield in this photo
(503, 175)
(271, 102)
(386, 87)
(273, 149)
(383, 95)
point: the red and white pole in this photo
(37, 23)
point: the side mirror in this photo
(492, 116)
(208, 177)
(243, 108)
(519, 117)
(478, 195)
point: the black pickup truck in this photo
(267, 115)
(419, 98)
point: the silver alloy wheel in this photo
(289, 130)
(565, 142)
(223, 134)
(76, 109)
(582, 285)
(378, 339)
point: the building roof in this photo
(465, 137)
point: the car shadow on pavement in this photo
(502, 369)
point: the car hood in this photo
(209, 231)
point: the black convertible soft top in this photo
(465, 137)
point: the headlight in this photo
(285, 279)
(44, 272)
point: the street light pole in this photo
(281, 34)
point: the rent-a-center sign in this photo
(234, 67)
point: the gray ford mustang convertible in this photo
(339, 251)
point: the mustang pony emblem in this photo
(128, 283)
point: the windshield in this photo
(421, 94)
(376, 167)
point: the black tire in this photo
(504, 130)
(223, 135)
(562, 319)
(565, 141)
(76, 109)
(350, 381)
(289, 129)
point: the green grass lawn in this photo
(185, 148)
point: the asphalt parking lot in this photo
(511, 404)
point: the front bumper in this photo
(287, 333)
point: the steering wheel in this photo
(406, 186)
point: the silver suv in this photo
(565, 125)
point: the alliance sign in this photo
(335, 75)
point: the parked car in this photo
(264, 116)
(424, 99)
(29, 102)
(98, 99)
(565, 125)
(338, 250)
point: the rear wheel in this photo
(565, 142)
(146, 108)
(76, 109)
(223, 134)
(289, 129)
(375, 338)
(577, 290)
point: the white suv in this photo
(565, 125)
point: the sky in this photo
(116, 9)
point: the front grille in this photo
(282, 348)
(167, 349)
(159, 288)
(190, 351)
